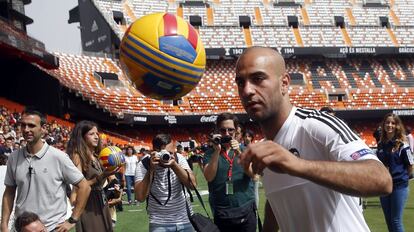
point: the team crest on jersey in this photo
(358, 154)
(295, 152)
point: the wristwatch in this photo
(71, 220)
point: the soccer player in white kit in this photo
(314, 166)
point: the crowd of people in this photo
(11, 136)
(308, 158)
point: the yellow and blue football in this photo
(111, 157)
(163, 56)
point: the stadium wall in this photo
(332, 52)
(25, 83)
(211, 118)
(96, 33)
(80, 108)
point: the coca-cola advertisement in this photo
(208, 119)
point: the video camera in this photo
(222, 139)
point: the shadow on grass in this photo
(372, 206)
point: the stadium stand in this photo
(369, 36)
(354, 83)
(368, 16)
(313, 81)
(195, 10)
(142, 8)
(404, 12)
(107, 7)
(77, 73)
(322, 12)
(316, 21)
(278, 16)
(273, 36)
(405, 36)
(317, 36)
(214, 37)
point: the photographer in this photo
(231, 189)
(113, 193)
(195, 156)
(160, 177)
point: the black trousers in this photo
(245, 224)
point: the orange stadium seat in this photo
(366, 83)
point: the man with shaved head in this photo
(314, 166)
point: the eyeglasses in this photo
(224, 130)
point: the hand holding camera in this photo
(219, 140)
(235, 145)
(215, 140)
(163, 158)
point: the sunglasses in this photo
(224, 130)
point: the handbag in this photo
(200, 222)
(234, 216)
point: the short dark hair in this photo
(249, 133)
(227, 116)
(33, 111)
(239, 126)
(131, 147)
(161, 140)
(25, 219)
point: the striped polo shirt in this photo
(174, 212)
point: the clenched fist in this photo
(271, 155)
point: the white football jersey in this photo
(301, 205)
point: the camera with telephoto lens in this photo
(222, 139)
(164, 156)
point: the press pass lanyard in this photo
(229, 183)
(230, 171)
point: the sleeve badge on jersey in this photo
(358, 154)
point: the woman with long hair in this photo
(131, 161)
(83, 148)
(394, 151)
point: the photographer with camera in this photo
(159, 178)
(231, 192)
(113, 193)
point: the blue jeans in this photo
(393, 206)
(183, 227)
(129, 182)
